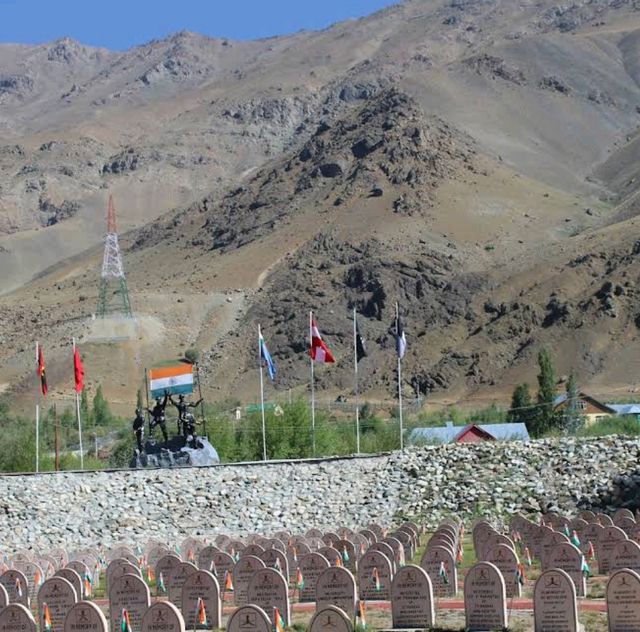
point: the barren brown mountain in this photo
(475, 160)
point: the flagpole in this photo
(264, 431)
(399, 382)
(355, 371)
(38, 382)
(313, 394)
(73, 343)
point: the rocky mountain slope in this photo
(473, 160)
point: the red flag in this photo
(319, 351)
(78, 370)
(41, 372)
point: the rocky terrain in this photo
(493, 480)
(474, 160)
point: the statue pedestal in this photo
(175, 452)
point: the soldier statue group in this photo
(186, 419)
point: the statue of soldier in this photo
(138, 428)
(182, 407)
(158, 417)
(189, 427)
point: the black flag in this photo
(361, 347)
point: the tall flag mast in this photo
(319, 352)
(359, 352)
(113, 272)
(401, 348)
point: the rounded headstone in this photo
(201, 584)
(249, 619)
(269, 589)
(85, 616)
(412, 599)
(60, 596)
(336, 586)
(330, 619)
(623, 601)
(16, 618)
(162, 616)
(131, 593)
(485, 597)
(554, 602)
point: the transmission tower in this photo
(114, 295)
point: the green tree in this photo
(545, 417)
(101, 412)
(572, 420)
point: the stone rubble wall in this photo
(423, 483)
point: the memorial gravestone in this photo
(201, 585)
(175, 581)
(249, 619)
(485, 598)
(85, 616)
(242, 573)
(625, 554)
(330, 619)
(440, 565)
(311, 567)
(15, 583)
(60, 596)
(374, 576)
(74, 579)
(162, 616)
(554, 603)
(506, 561)
(623, 601)
(412, 599)
(268, 589)
(609, 538)
(16, 618)
(336, 587)
(131, 593)
(568, 558)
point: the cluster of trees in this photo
(540, 416)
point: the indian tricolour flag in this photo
(174, 379)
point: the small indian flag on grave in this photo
(361, 619)
(277, 565)
(299, 580)
(160, 587)
(150, 574)
(375, 577)
(575, 539)
(18, 587)
(173, 379)
(442, 573)
(191, 557)
(278, 623)
(566, 530)
(339, 561)
(520, 574)
(585, 567)
(591, 553)
(37, 578)
(46, 619)
(125, 622)
(459, 554)
(527, 555)
(228, 581)
(212, 569)
(345, 554)
(87, 585)
(201, 613)
(295, 554)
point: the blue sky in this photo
(119, 24)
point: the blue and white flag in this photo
(265, 356)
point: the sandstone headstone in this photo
(347, 550)
(623, 601)
(604, 520)
(242, 573)
(274, 558)
(313, 533)
(268, 589)
(222, 563)
(336, 586)
(74, 579)
(85, 616)
(398, 550)
(165, 567)
(378, 530)
(176, 580)
(131, 593)
(123, 552)
(34, 574)
(4, 597)
(506, 561)
(554, 603)
(222, 541)
(485, 603)
(16, 618)
(625, 554)
(370, 535)
(16, 585)
(568, 558)
(60, 596)
(609, 537)
(203, 585)
(333, 555)
(118, 568)
(412, 599)
(311, 566)
(162, 616)
(330, 619)
(155, 554)
(374, 567)
(83, 571)
(329, 538)
(406, 541)
(444, 585)
(591, 536)
(190, 549)
(249, 619)
(252, 549)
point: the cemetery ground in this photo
(449, 611)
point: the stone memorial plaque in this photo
(377, 529)
(485, 603)
(155, 554)
(336, 587)
(252, 549)
(374, 576)
(74, 579)
(398, 550)
(315, 544)
(83, 571)
(242, 573)
(235, 547)
(283, 536)
(222, 563)
(276, 543)
(190, 549)
(274, 558)
(406, 541)
(604, 520)
(249, 619)
(314, 533)
(623, 601)
(330, 619)
(591, 535)
(506, 561)
(444, 585)
(165, 567)
(412, 599)
(622, 514)
(118, 568)
(49, 565)
(131, 593)
(609, 537)
(625, 554)
(175, 581)
(568, 558)
(222, 541)
(85, 616)
(123, 552)
(268, 589)
(16, 618)
(628, 525)
(554, 603)
(33, 573)
(348, 554)
(205, 558)
(162, 616)
(60, 596)
(370, 535)
(311, 567)
(204, 585)
(480, 535)
(332, 555)
(587, 515)
(16, 585)
(329, 538)
(386, 550)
